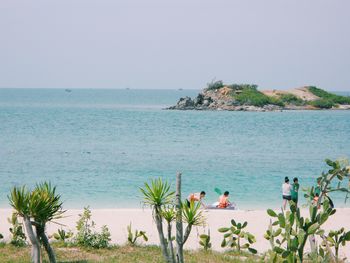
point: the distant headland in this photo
(247, 97)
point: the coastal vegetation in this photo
(288, 232)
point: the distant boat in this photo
(68, 90)
(180, 89)
(127, 88)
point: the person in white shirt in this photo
(286, 192)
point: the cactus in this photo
(290, 231)
(335, 238)
(62, 235)
(132, 237)
(205, 241)
(234, 236)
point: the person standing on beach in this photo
(294, 191)
(286, 192)
(196, 197)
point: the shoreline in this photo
(141, 219)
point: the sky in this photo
(160, 44)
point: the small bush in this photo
(18, 238)
(291, 99)
(335, 99)
(322, 103)
(250, 96)
(214, 85)
(87, 236)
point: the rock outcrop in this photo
(218, 96)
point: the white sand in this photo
(118, 219)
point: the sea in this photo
(100, 146)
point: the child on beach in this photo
(286, 192)
(196, 197)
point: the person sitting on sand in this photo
(286, 192)
(196, 197)
(294, 191)
(223, 200)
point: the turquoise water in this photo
(99, 146)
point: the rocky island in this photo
(247, 97)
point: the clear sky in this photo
(174, 44)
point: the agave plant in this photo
(193, 216)
(160, 198)
(37, 208)
(156, 195)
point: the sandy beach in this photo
(118, 219)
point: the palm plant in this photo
(37, 208)
(157, 195)
(161, 199)
(193, 216)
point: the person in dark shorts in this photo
(286, 192)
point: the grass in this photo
(145, 254)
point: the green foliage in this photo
(42, 203)
(192, 214)
(289, 231)
(87, 236)
(132, 237)
(157, 194)
(337, 170)
(234, 236)
(18, 238)
(330, 97)
(335, 239)
(251, 96)
(214, 85)
(204, 241)
(322, 103)
(62, 235)
(291, 99)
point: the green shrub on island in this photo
(322, 103)
(291, 99)
(251, 96)
(327, 96)
(236, 238)
(214, 85)
(87, 236)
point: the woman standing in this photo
(286, 192)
